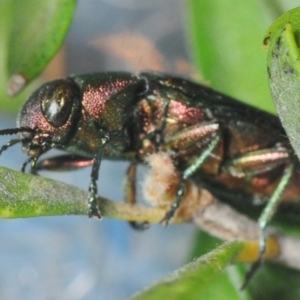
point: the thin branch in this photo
(23, 195)
(223, 221)
(213, 216)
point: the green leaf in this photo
(275, 282)
(226, 44)
(38, 29)
(6, 104)
(193, 280)
(282, 40)
(24, 195)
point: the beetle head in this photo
(48, 116)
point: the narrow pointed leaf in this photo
(37, 32)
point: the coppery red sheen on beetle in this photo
(239, 153)
(147, 113)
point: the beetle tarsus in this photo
(265, 218)
(174, 206)
(257, 264)
(139, 226)
(94, 211)
(167, 218)
(254, 268)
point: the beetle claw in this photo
(94, 212)
(140, 226)
(168, 216)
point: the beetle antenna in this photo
(11, 131)
(9, 144)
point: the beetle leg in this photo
(130, 195)
(92, 203)
(265, 218)
(27, 161)
(257, 162)
(64, 163)
(188, 173)
(33, 169)
(191, 135)
(130, 184)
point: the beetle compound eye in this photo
(57, 101)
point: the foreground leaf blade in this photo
(282, 41)
(226, 45)
(38, 31)
(194, 278)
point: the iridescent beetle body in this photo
(235, 150)
(131, 116)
